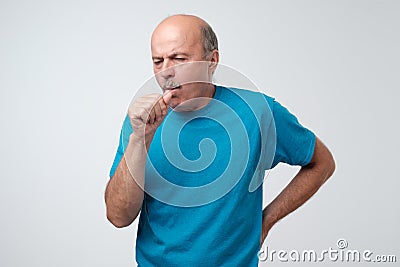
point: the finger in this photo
(150, 98)
(144, 115)
(167, 97)
(152, 115)
(157, 111)
(163, 106)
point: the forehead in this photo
(172, 38)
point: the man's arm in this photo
(124, 193)
(307, 181)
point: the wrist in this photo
(268, 218)
(141, 140)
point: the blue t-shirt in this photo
(203, 200)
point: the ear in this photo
(213, 59)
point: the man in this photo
(177, 228)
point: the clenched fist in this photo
(147, 113)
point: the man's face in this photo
(178, 62)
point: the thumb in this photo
(167, 97)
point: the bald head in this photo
(183, 19)
(188, 27)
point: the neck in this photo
(198, 102)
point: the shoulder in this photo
(252, 98)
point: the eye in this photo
(180, 59)
(157, 61)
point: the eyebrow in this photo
(173, 55)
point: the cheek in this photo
(194, 71)
(159, 79)
(186, 92)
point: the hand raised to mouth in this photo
(147, 113)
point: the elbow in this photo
(323, 161)
(118, 221)
(330, 166)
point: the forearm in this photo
(296, 193)
(302, 187)
(124, 192)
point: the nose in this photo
(167, 70)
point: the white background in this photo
(68, 70)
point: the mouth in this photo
(171, 85)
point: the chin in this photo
(174, 103)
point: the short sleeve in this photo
(294, 143)
(123, 142)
